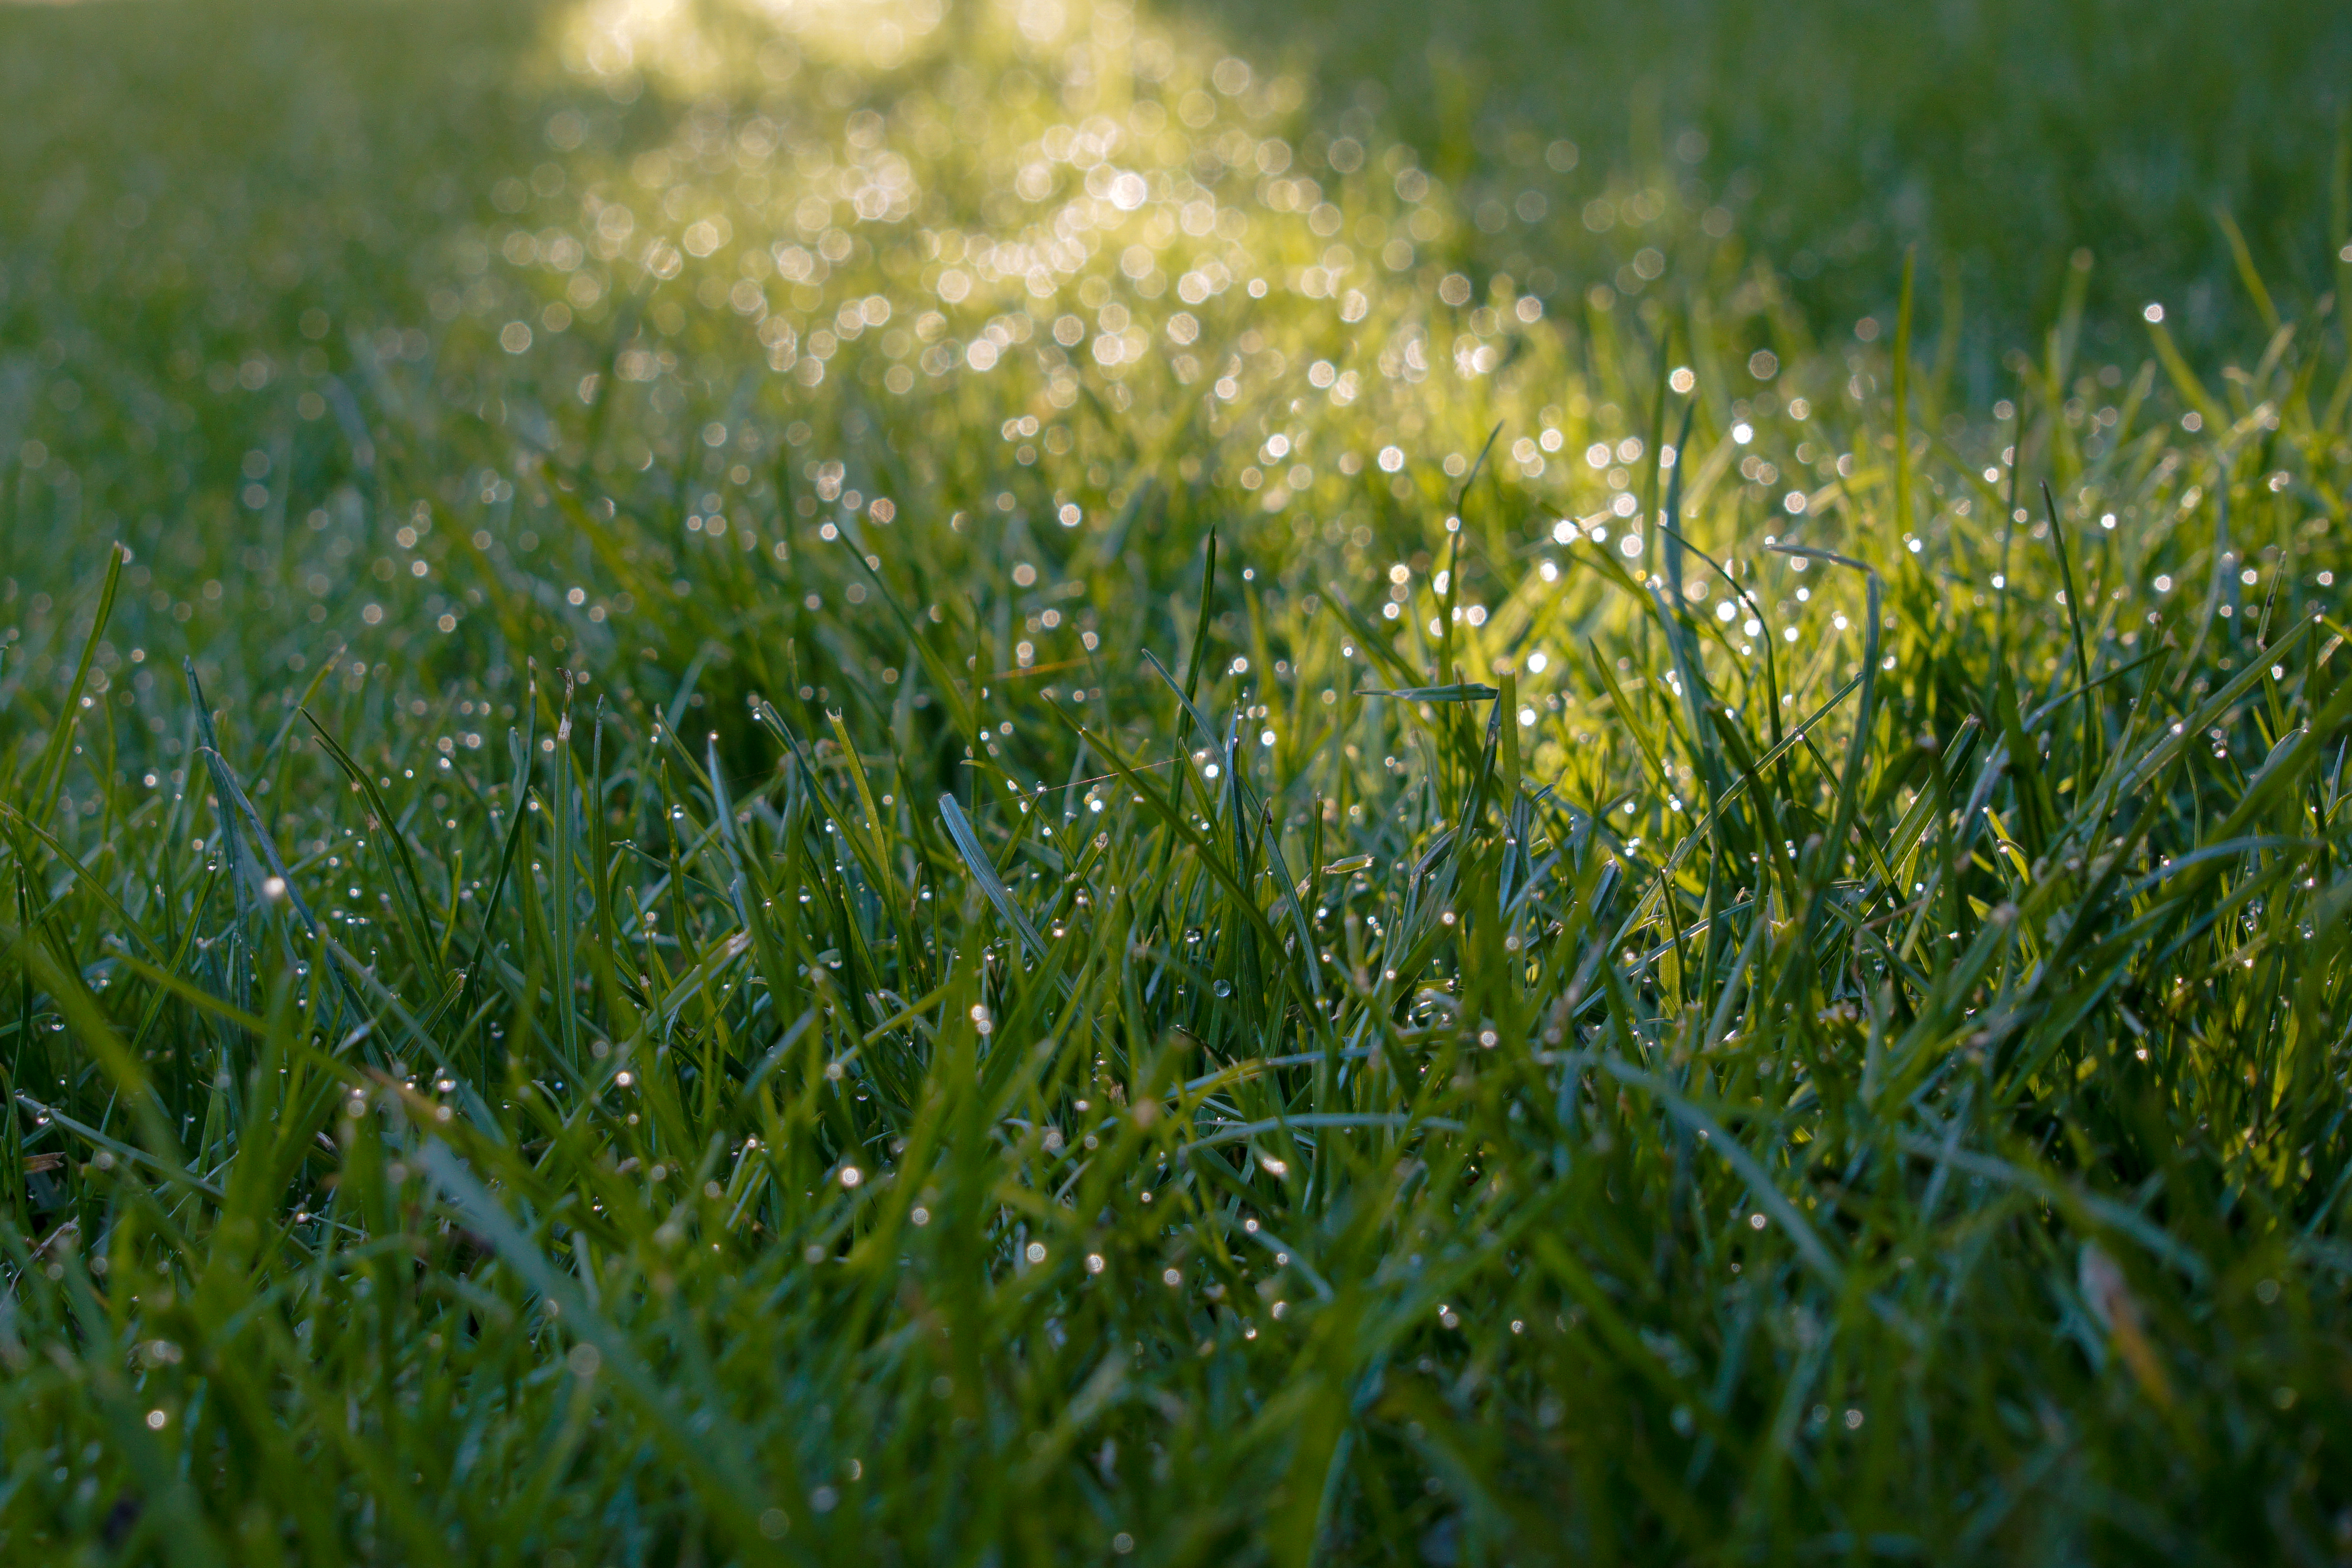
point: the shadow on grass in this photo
(2003, 134)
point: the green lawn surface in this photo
(848, 782)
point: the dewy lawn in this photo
(972, 787)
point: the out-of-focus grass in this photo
(1999, 136)
(740, 941)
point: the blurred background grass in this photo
(2000, 135)
(203, 201)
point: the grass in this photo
(1998, 137)
(846, 799)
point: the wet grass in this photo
(1184, 899)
